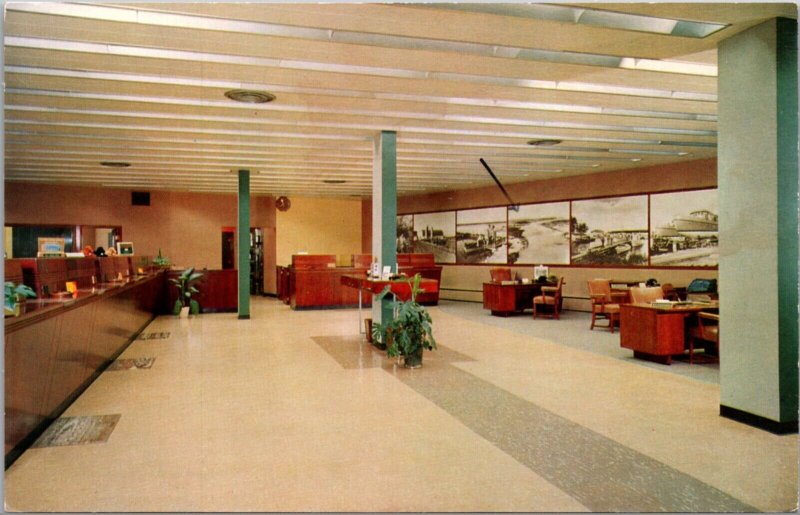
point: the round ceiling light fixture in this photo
(334, 181)
(249, 96)
(544, 142)
(115, 164)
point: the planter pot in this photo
(184, 312)
(413, 360)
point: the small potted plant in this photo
(16, 296)
(185, 304)
(410, 332)
(160, 260)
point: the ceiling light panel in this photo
(587, 16)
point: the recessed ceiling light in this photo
(115, 164)
(334, 181)
(249, 96)
(544, 142)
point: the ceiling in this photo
(144, 84)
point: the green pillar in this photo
(384, 211)
(243, 237)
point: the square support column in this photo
(758, 187)
(384, 211)
(243, 239)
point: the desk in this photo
(401, 289)
(506, 299)
(655, 333)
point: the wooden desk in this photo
(401, 289)
(506, 299)
(656, 334)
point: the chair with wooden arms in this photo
(707, 329)
(500, 274)
(550, 296)
(605, 303)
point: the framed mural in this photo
(610, 231)
(539, 233)
(481, 236)
(405, 234)
(683, 228)
(435, 233)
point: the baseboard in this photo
(778, 428)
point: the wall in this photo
(185, 226)
(318, 226)
(464, 282)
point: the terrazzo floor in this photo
(295, 412)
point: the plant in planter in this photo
(15, 296)
(184, 282)
(160, 260)
(410, 331)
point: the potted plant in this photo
(410, 331)
(184, 282)
(15, 297)
(160, 260)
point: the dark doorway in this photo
(228, 253)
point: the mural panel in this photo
(539, 233)
(435, 233)
(684, 229)
(481, 236)
(610, 231)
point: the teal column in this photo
(243, 238)
(384, 211)
(787, 216)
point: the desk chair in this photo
(646, 295)
(707, 329)
(500, 274)
(550, 296)
(605, 303)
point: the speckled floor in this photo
(293, 411)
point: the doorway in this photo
(228, 248)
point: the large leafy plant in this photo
(410, 330)
(14, 294)
(184, 282)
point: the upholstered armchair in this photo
(500, 274)
(646, 295)
(550, 296)
(605, 303)
(707, 329)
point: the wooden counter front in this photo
(321, 289)
(218, 291)
(58, 347)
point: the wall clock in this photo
(283, 203)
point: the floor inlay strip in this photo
(78, 430)
(602, 474)
(129, 363)
(154, 336)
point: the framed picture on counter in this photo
(125, 248)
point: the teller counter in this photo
(58, 346)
